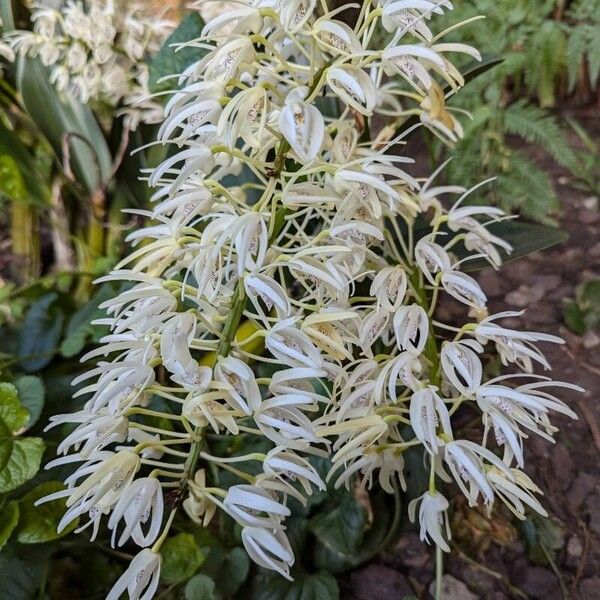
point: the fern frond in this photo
(594, 54)
(577, 45)
(527, 188)
(536, 126)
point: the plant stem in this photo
(25, 242)
(439, 572)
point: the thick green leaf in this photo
(342, 528)
(9, 517)
(525, 238)
(38, 524)
(11, 412)
(181, 558)
(36, 188)
(6, 444)
(19, 579)
(171, 60)
(58, 116)
(317, 586)
(23, 463)
(200, 587)
(40, 334)
(80, 328)
(233, 571)
(11, 180)
(31, 395)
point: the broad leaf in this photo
(38, 524)
(181, 558)
(31, 396)
(80, 328)
(173, 60)
(200, 587)
(40, 333)
(9, 517)
(61, 119)
(233, 571)
(342, 528)
(11, 412)
(525, 238)
(23, 463)
(6, 444)
(11, 181)
(19, 579)
(36, 188)
(317, 586)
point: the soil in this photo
(491, 559)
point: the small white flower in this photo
(302, 125)
(142, 501)
(428, 413)
(433, 518)
(269, 548)
(141, 578)
(411, 326)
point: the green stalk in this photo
(25, 237)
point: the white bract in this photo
(296, 305)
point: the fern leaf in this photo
(536, 126)
(576, 50)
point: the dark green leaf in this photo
(40, 334)
(58, 116)
(525, 238)
(233, 571)
(171, 60)
(181, 558)
(317, 586)
(23, 463)
(9, 517)
(342, 528)
(11, 180)
(543, 536)
(38, 524)
(80, 328)
(200, 587)
(19, 579)
(11, 412)
(6, 444)
(31, 395)
(33, 183)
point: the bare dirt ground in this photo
(492, 560)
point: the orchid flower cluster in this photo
(287, 234)
(97, 51)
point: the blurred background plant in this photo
(66, 173)
(550, 52)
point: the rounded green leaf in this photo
(31, 395)
(38, 524)
(23, 463)
(6, 444)
(233, 571)
(181, 558)
(200, 587)
(11, 412)
(40, 335)
(9, 517)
